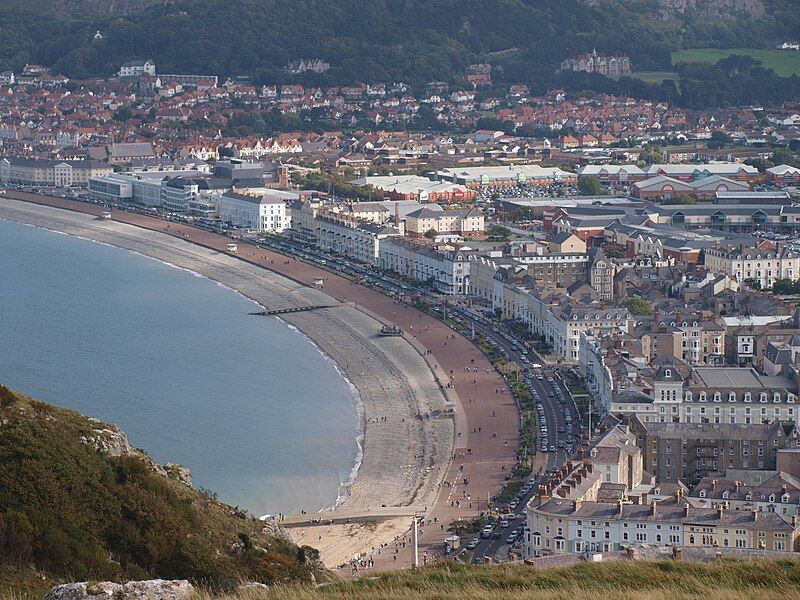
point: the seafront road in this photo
(487, 421)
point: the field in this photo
(641, 580)
(784, 62)
(655, 76)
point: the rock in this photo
(154, 589)
(179, 472)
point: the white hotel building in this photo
(265, 213)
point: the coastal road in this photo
(487, 421)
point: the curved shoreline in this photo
(478, 458)
(354, 487)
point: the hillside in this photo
(729, 580)
(378, 40)
(78, 503)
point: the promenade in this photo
(487, 423)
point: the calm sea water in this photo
(251, 406)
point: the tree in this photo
(589, 185)
(431, 233)
(638, 306)
(783, 156)
(679, 200)
(498, 233)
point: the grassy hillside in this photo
(757, 579)
(784, 63)
(77, 503)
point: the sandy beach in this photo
(408, 446)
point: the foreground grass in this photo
(763, 579)
(784, 62)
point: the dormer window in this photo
(725, 495)
(717, 397)
(702, 493)
(702, 396)
(668, 373)
(762, 397)
(776, 397)
(732, 397)
(747, 397)
(772, 497)
(785, 498)
(749, 496)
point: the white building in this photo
(351, 237)
(137, 68)
(48, 172)
(256, 212)
(764, 266)
(446, 270)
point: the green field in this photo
(784, 62)
(655, 76)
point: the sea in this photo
(256, 411)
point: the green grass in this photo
(624, 580)
(784, 62)
(73, 512)
(655, 76)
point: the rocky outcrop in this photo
(154, 589)
(179, 473)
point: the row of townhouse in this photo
(716, 395)
(352, 237)
(578, 526)
(448, 271)
(761, 265)
(557, 317)
(607, 501)
(49, 172)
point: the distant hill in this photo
(78, 503)
(378, 40)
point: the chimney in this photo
(755, 515)
(720, 511)
(653, 508)
(686, 510)
(580, 454)
(736, 485)
(589, 466)
(576, 504)
(794, 521)
(397, 214)
(619, 507)
(713, 484)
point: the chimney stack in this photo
(713, 484)
(619, 507)
(720, 511)
(686, 510)
(755, 515)
(653, 508)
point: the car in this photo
(543, 448)
(473, 543)
(511, 538)
(504, 524)
(552, 448)
(513, 504)
(486, 532)
(496, 535)
(561, 443)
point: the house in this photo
(136, 68)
